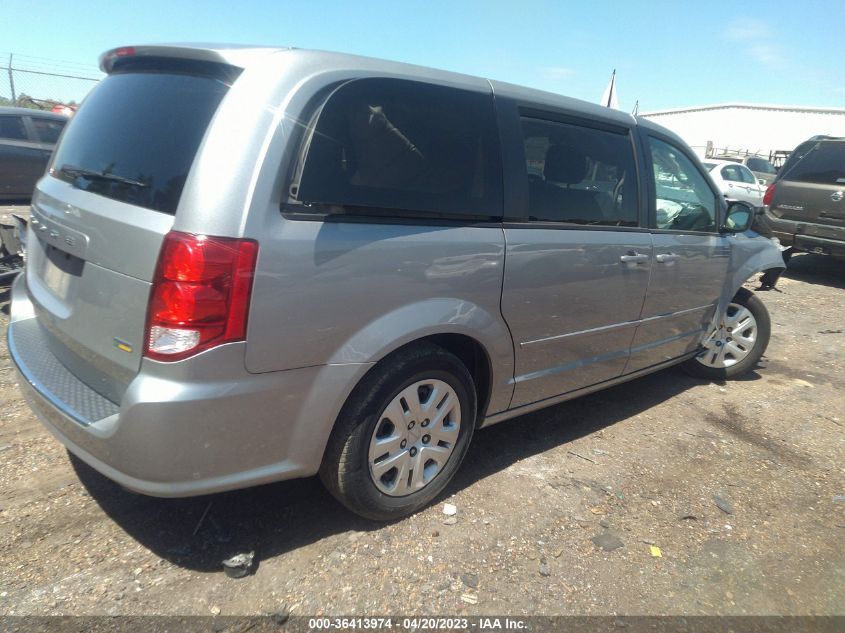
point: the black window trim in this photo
(312, 212)
(569, 226)
(558, 116)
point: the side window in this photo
(387, 144)
(48, 130)
(579, 175)
(747, 176)
(730, 173)
(684, 201)
(11, 127)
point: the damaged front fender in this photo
(751, 253)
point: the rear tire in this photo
(737, 343)
(382, 462)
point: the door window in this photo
(747, 176)
(579, 175)
(683, 199)
(387, 145)
(731, 173)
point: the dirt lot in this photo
(638, 465)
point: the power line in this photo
(25, 62)
(60, 62)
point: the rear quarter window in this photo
(386, 146)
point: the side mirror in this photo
(739, 217)
(761, 181)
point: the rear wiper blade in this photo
(77, 172)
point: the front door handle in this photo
(664, 258)
(634, 258)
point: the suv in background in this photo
(763, 170)
(27, 139)
(805, 206)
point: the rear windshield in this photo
(135, 137)
(823, 163)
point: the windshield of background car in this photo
(136, 135)
(823, 164)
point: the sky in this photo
(666, 54)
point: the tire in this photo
(380, 415)
(727, 354)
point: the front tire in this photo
(402, 434)
(738, 342)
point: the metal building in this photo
(748, 127)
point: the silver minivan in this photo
(254, 264)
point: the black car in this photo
(27, 139)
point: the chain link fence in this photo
(45, 84)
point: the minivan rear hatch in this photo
(813, 187)
(110, 196)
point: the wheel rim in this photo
(732, 341)
(414, 437)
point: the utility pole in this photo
(12, 79)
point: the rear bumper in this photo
(805, 236)
(194, 427)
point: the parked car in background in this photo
(805, 206)
(27, 139)
(736, 181)
(762, 168)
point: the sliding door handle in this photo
(634, 258)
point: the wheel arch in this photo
(479, 339)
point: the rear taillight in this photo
(770, 193)
(200, 294)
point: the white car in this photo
(735, 181)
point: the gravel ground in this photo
(739, 487)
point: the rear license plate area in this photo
(58, 270)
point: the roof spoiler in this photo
(229, 54)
